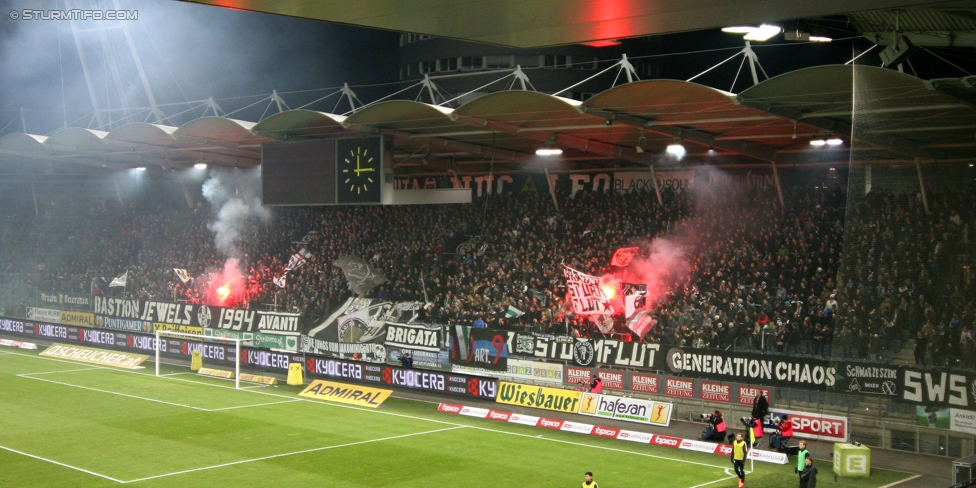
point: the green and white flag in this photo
(513, 312)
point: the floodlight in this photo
(141, 168)
(818, 142)
(200, 166)
(834, 142)
(548, 151)
(763, 33)
(739, 29)
(820, 39)
(676, 149)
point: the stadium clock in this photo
(359, 168)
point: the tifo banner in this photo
(181, 314)
(44, 315)
(362, 320)
(810, 425)
(752, 367)
(367, 352)
(75, 301)
(362, 396)
(361, 275)
(629, 409)
(538, 397)
(418, 337)
(585, 292)
(867, 379)
(478, 348)
(630, 181)
(440, 360)
(585, 352)
(724, 450)
(94, 356)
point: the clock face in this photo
(358, 172)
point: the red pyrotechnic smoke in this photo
(660, 265)
(231, 285)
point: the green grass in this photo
(189, 431)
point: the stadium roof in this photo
(898, 118)
(537, 23)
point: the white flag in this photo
(182, 274)
(280, 281)
(121, 280)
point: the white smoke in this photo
(233, 196)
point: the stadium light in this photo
(738, 29)
(548, 151)
(762, 33)
(676, 149)
(818, 142)
(834, 142)
(200, 166)
(820, 39)
(141, 168)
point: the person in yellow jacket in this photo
(588, 481)
(739, 459)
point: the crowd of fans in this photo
(759, 276)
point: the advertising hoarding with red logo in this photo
(748, 394)
(613, 380)
(681, 388)
(811, 425)
(712, 391)
(644, 383)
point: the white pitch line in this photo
(249, 406)
(306, 451)
(115, 393)
(62, 371)
(62, 464)
(718, 480)
(889, 485)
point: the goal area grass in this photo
(77, 425)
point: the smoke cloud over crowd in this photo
(233, 196)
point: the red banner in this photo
(716, 392)
(680, 388)
(643, 383)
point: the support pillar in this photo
(779, 189)
(867, 178)
(657, 188)
(186, 193)
(921, 185)
(552, 189)
(37, 213)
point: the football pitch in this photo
(76, 425)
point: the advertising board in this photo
(629, 409)
(538, 397)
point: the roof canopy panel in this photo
(525, 109)
(75, 137)
(217, 129)
(143, 133)
(402, 115)
(299, 123)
